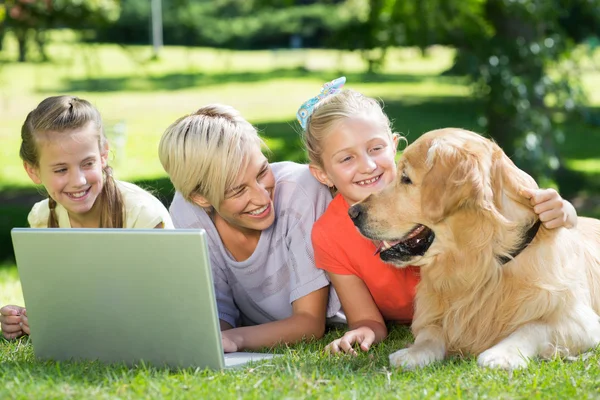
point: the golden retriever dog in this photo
(494, 283)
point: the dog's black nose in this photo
(355, 211)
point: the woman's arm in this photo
(365, 322)
(307, 322)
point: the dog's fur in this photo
(544, 302)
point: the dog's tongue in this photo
(383, 245)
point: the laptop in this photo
(122, 296)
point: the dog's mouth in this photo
(414, 243)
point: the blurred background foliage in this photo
(518, 53)
(522, 59)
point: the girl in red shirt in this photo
(351, 148)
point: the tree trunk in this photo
(22, 43)
(509, 27)
(40, 39)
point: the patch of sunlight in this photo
(588, 166)
(274, 144)
(590, 82)
(10, 286)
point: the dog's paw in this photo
(502, 358)
(412, 358)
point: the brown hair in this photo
(61, 114)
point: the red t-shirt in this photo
(340, 249)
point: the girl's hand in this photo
(13, 322)
(364, 336)
(553, 210)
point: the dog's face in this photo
(445, 178)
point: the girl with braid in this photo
(64, 149)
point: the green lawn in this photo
(304, 371)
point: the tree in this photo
(517, 54)
(239, 24)
(522, 70)
(2, 28)
(35, 17)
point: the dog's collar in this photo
(529, 235)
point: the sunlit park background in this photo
(526, 73)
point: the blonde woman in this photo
(258, 217)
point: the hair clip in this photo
(328, 89)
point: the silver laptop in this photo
(122, 296)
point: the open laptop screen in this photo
(120, 295)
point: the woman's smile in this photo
(261, 212)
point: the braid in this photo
(112, 214)
(52, 219)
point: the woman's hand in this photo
(553, 210)
(229, 345)
(13, 322)
(364, 336)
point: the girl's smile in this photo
(369, 182)
(79, 196)
(358, 158)
(70, 168)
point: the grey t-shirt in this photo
(282, 267)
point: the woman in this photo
(258, 218)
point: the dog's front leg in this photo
(518, 348)
(429, 347)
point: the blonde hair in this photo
(55, 117)
(331, 111)
(204, 152)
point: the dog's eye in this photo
(405, 179)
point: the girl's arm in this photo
(365, 322)
(553, 210)
(13, 321)
(307, 322)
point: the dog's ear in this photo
(508, 180)
(453, 181)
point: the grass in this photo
(303, 371)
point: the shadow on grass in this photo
(411, 117)
(185, 80)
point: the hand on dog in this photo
(13, 322)
(553, 210)
(364, 336)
